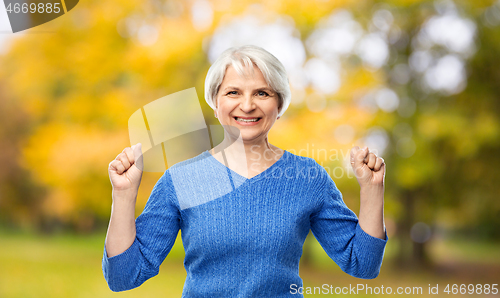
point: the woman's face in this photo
(247, 104)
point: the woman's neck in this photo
(247, 158)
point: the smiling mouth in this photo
(248, 120)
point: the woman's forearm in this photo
(371, 210)
(121, 229)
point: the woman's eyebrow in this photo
(231, 87)
(259, 88)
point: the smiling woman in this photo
(251, 107)
(248, 89)
(246, 206)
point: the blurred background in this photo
(416, 81)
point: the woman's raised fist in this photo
(125, 171)
(368, 168)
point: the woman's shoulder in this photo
(188, 168)
(190, 164)
(197, 180)
(291, 156)
(305, 168)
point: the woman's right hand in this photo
(125, 171)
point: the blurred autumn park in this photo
(417, 81)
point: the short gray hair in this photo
(272, 69)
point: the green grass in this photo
(70, 266)
(467, 250)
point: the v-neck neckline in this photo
(243, 178)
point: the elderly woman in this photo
(246, 206)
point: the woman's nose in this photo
(247, 104)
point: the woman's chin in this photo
(247, 138)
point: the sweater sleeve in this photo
(156, 230)
(337, 229)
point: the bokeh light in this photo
(324, 76)
(420, 232)
(201, 14)
(334, 36)
(406, 147)
(344, 133)
(377, 140)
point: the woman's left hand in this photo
(368, 168)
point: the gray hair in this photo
(244, 56)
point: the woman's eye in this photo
(231, 92)
(263, 93)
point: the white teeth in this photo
(247, 120)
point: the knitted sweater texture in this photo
(243, 237)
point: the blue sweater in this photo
(243, 237)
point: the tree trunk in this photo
(410, 254)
